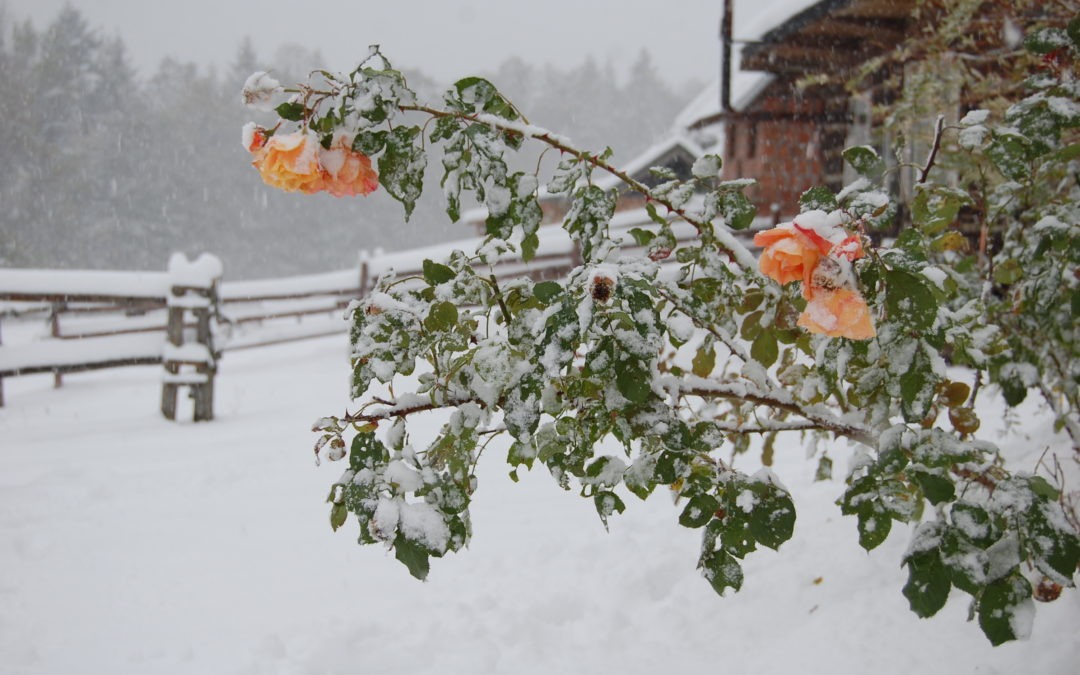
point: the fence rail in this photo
(108, 319)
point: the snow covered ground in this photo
(129, 544)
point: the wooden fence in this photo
(184, 321)
(186, 318)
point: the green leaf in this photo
(918, 385)
(699, 510)
(866, 161)
(938, 489)
(338, 513)
(736, 208)
(477, 93)
(1013, 388)
(751, 325)
(1008, 272)
(772, 519)
(367, 452)
(633, 381)
(607, 503)
(547, 291)
(294, 112)
(442, 317)
(928, 585)
(764, 349)
(1011, 153)
(413, 556)
(521, 453)
(824, 469)
(1048, 39)
(1073, 30)
(529, 244)
(818, 198)
(1058, 548)
(369, 143)
(738, 540)
(934, 209)
(1044, 489)
(999, 605)
(721, 570)
(436, 273)
(642, 237)
(704, 360)
(909, 299)
(588, 218)
(401, 167)
(874, 526)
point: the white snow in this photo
(199, 273)
(132, 545)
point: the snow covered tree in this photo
(634, 373)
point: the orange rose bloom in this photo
(347, 173)
(789, 255)
(290, 163)
(838, 312)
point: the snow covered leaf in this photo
(721, 570)
(608, 503)
(413, 556)
(928, 585)
(909, 299)
(818, 198)
(736, 208)
(633, 381)
(772, 517)
(874, 526)
(699, 510)
(936, 487)
(401, 167)
(866, 161)
(1053, 541)
(547, 291)
(1006, 610)
(1012, 154)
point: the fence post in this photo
(54, 331)
(192, 288)
(174, 335)
(1, 376)
(364, 272)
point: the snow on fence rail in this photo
(108, 319)
(91, 320)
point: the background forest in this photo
(104, 169)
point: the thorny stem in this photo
(939, 126)
(743, 258)
(702, 388)
(855, 432)
(722, 336)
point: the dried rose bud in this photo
(259, 90)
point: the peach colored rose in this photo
(254, 138)
(290, 162)
(838, 312)
(347, 173)
(789, 255)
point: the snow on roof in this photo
(650, 157)
(752, 21)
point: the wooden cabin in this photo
(791, 132)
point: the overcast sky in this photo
(445, 39)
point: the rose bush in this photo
(640, 370)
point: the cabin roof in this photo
(830, 35)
